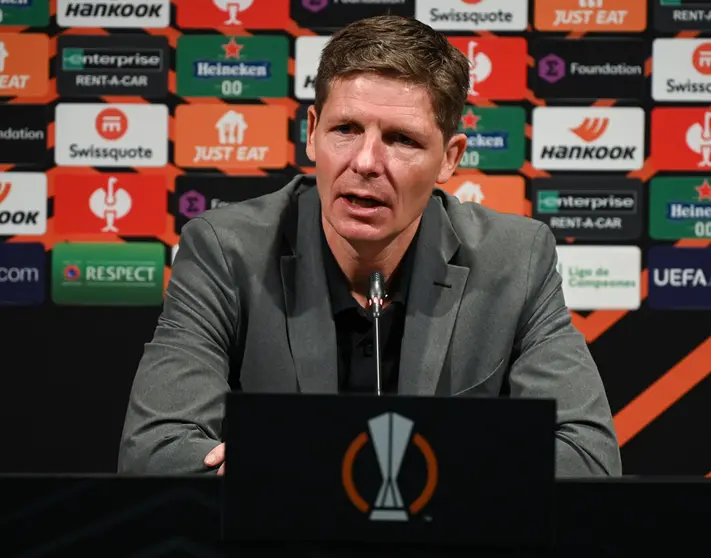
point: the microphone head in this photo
(377, 287)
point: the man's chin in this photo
(361, 233)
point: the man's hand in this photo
(217, 457)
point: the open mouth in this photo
(363, 202)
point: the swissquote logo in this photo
(681, 70)
(119, 135)
(473, 15)
(114, 13)
(390, 436)
(591, 138)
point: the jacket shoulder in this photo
(475, 223)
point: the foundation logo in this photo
(196, 194)
(681, 138)
(233, 14)
(590, 69)
(32, 13)
(591, 138)
(242, 136)
(680, 207)
(118, 135)
(24, 65)
(339, 13)
(495, 138)
(498, 67)
(23, 134)
(232, 67)
(604, 16)
(468, 15)
(391, 435)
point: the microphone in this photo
(376, 295)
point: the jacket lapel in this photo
(436, 289)
(310, 326)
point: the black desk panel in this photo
(105, 516)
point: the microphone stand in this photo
(375, 298)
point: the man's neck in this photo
(359, 262)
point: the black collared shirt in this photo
(354, 327)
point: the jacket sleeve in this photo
(554, 362)
(176, 405)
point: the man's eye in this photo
(400, 138)
(344, 128)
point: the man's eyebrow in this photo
(402, 128)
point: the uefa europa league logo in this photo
(390, 435)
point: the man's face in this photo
(378, 153)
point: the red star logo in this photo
(470, 120)
(704, 191)
(232, 49)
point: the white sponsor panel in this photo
(307, 55)
(600, 277)
(489, 15)
(681, 70)
(23, 203)
(588, 138)
(114, 13)
(111, 135)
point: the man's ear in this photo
(312, 121)
(453, 153)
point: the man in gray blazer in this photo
(269, 295)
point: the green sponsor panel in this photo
(108, 274)
(232, 67)
(495, 137)
(33, 13)
(680, 207)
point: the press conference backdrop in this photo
(120, 121)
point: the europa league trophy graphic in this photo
(233, 8)
(390, 434)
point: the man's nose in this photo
(368, 158)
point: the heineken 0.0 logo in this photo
(232, 67)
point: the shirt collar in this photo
(338, 287)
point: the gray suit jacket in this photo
(245, 310)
